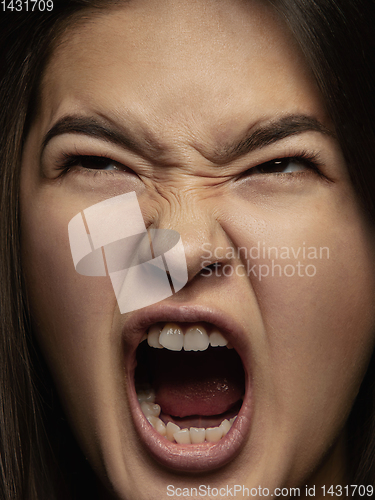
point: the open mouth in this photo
(189, 382)
(190, 397)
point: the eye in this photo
(284, 166)
(91, 163)
(97, 163)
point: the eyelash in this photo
(309, 160)
(69, 161)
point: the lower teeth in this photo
(173, 432)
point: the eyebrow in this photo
(275, 131)
(91, 127)
(261, 137)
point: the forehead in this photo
(206, 67)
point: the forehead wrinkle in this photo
(142, 134)
(169, 141)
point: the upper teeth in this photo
(172, 337)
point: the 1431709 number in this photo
(27, 5)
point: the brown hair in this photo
(38, 456)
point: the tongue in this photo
(198, 383)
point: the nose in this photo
(204, 239)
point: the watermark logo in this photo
(110, 239)
(261, 261)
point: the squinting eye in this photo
(91, 163)
(97, 163)
(281, 166)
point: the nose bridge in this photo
(200, 230)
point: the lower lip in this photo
(191, 458)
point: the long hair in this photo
(337, 40)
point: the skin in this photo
(189, 78)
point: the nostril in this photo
(210, 268)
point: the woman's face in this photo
(208, 112)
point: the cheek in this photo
(310, 266)
(67, 308)
(318, 323)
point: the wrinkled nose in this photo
(201, 233)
